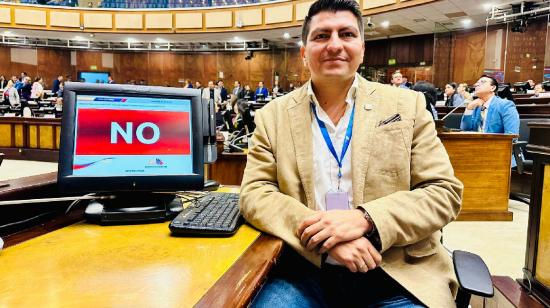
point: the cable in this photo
(26, 220)
(60, 199)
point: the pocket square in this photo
(394, 118)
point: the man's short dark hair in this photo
(430, 93)
(332, 6)
(494, 82)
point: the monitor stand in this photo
(133, 208)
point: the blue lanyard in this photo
(330, 146)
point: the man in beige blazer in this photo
(385, 249)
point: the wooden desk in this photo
(228, 168)
(482, 162)
(136, 265)
(30, 138)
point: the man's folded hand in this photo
(357, 255)
(331, 228)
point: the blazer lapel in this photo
(364, 124)
(300, 128)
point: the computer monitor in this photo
(94, 77)
(131, 142)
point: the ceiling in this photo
(448, 15)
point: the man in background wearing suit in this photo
(260, 90)
(238, 90)
(56, 83)
(338, 170)
(223, 91)
(490, 113)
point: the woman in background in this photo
(38, 88)
(462, 91)
(430, 93)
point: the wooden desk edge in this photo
(514, 293)
(239, 284)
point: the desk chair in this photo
(473, 277)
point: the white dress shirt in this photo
(486, 105)
(325, 166)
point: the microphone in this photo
(450, 112)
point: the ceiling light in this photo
(161, 40)
(78, 38)
(385, 24)
(466, 22)
(92, 35)
(7, 33)
(286, 35)
(131, 40)
(236, 39)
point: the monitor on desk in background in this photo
(131, 142)
(94, 77)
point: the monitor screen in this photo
(94, 77)
(130, 138)
(128, 135)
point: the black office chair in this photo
(473, 277)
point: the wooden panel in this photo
(488, 175)
(30, 17)
(261, 69)
(442, 59)
(525, 53)
(219, 19)
(128, 21)
(302, 9)
(189, 21)
(64, 19)
(5, 15)
(468, 57)
(98, 21)
(165, 68)
(278, 14)
(5, 135)
(249, 17)
(131, 67)
(158, 21)
(33, 136)
(46, 140)
(58, 134)
(48, 59)
(19, 135)
(228, 169)
(369, 4)
(542, 267)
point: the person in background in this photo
(276, 89)
(198, 85)
(238, 90)
(212, 92)
(453, 99)
(56, 83)
(406, 82)
(397, 80)
(490, 113)
(462, 90)
(430, 93)
(187, 84)
(247, 93)
(110, 79)
(18, 83)
(3, 82)
(12, 95)
(223, 91)
(26, 89)
(37, 90)
(59, 92)
(538, 89)
(531, 84)
(260, 90)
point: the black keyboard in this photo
(214, 214)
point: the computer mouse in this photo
(211, 185)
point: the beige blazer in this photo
(401, 175)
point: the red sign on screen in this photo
(132, 132)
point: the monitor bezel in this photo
(142, 183)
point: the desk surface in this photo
(88, 265)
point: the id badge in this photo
(337, 200)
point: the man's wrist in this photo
(369, 222)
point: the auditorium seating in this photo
(137, 4)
